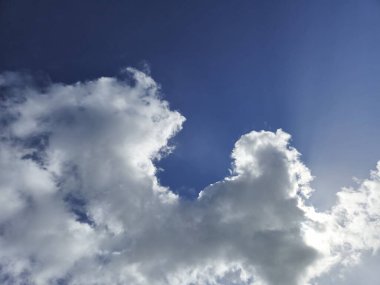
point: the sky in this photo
(176, 141)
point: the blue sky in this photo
(311, 68)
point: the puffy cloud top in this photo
(80, 202)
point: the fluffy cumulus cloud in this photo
(80, 202)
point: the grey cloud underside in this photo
(80, 202)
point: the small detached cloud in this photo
(80, 202)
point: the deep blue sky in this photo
(309, 67)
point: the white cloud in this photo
(80, 200)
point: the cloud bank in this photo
(80, 202)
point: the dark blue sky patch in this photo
(36, 145)
(77, 206)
